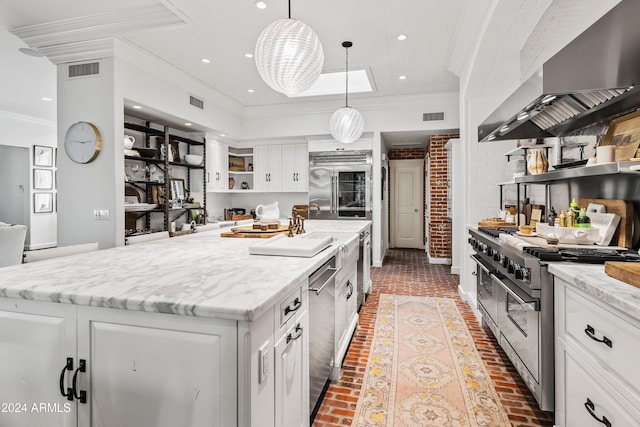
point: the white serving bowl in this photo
(193, 159)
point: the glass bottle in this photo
(583, 220)
(570, 218)
(551, 218)
(563, 219)
(574, 207)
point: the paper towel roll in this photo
(596, 208)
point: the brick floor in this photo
(407, 272)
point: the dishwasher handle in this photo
(331, 272)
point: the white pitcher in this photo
(269, 212)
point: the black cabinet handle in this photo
(298, 334)
(82, 396)
(350, 286)
(590, 408)
(296, 305)
(67, 367)
(590, 333)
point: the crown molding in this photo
(25, 118)
(79, 51)
(102, 26)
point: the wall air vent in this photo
(430, 117)
(81, 70)
(196, 102)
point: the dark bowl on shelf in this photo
(147, 153)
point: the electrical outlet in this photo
(263, 363)
(102, 214)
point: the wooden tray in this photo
(628, 272)
(250, 232)
(495, 223)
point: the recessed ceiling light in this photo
(223, 134)
(44, 98)
(248, 55)
(205, 60)
(187, 124)
(137, 107)
(250, 90)
(402, 37)
(261, 4)
(403, 77)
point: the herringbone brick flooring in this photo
(407, 272)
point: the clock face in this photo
(82, 142)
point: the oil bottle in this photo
(583, 220)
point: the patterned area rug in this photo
(424, 369)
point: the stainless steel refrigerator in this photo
(340, 183)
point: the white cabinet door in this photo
(36, 340)
(275, 168)
(267, 167)
(156, 370)
(261, 167)
(217, 166)
(290, 372)
(302, 167)
(295, 167)
(346, 317)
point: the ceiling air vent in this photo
(196, 102)
(87, 69)
(430, 117)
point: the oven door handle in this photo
(478, 261)
(531, 305)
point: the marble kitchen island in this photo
(183, 331)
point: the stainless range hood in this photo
(594, 78)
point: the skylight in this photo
(333, 84)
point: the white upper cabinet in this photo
(217, 169)
(268, 167)
(295, 167)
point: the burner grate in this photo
(584, 255)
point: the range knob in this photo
(504, 261)
(496, 256)
(519, 274)
(490, 251)
(525, 274)
(511, 267)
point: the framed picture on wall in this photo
(42, 156)
(42, 179)
(42, 202)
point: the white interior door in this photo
(407, 203)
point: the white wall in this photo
(23, 131)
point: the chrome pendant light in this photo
(289, 55)
(346, 124)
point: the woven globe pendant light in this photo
(346, 124)
(289, 55)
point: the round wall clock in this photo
(82, 142)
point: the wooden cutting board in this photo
(250, 232)
(495, 223)
(628, 272)
(624, 234)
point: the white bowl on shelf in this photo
(193, 159)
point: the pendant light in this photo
(346, 124)
(289, 55)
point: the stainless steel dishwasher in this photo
(322, 293)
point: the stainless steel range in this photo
(515, 298)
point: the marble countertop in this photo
(594, 281)
(202, 275)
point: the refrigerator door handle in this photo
(335, 194)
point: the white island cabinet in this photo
(189, 331)
(597, 326)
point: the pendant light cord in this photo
(289, 9)
(346, 92)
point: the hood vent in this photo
(199, 103)
(592, 80)
(431, 117)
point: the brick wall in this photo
(439, 226)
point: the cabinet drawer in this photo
(582, 389)
(290, 306)
(606, 337)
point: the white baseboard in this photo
(470, 299)
(377, 263)
(446, 261)
(455, 270)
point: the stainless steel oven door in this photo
(487, 297)
(519, 323)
